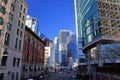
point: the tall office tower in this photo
(78, 29)
(12, 22)
(63, 46)
(99, 23)
(32, 23)
(56, 47)
(72, 51)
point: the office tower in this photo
(56, 46)
(32, 23)
(99, 25)
(78, 30)
(57, 55)
(63, 46)
(72, 50)
(32, 55)
(12, 22)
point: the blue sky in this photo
(53, 15)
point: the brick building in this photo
(33, 54)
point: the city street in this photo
(66, 75)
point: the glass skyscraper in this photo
(63, 46)
(98, 21)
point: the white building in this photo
(12, 25)
(32, 23)
(50, 56)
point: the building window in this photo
(9, 26)
(6, 51)
(1, 21)
(20, 15)
(12, 77)
(25, 47)
(10, 16)
(4, 61)
(19, 45)
(16, 75)
(24, 10)
(12, 8)
(14, 1)
(21, 7)
(23, 18)
(14, 61)
(19, 23)
(27, 57)
(16, 43)
(5, 1)
(21, 34)
(2, 9)
(17, 31)
(0, 32)
(22, 25)
(1, 76)
(31, 41)
(18, 62)
(27, 38)
(7, 37)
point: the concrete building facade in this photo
(12, 22)
(32, 55)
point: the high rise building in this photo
(78, 29)
(32, 23)
(12, 22)
(72, 50)
(98, 22)
(56, 47)
(57, 55)
(63, 46)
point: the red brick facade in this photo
(33, 54)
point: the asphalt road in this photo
(66, 75)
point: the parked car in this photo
(41, 75)
(30, 79)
